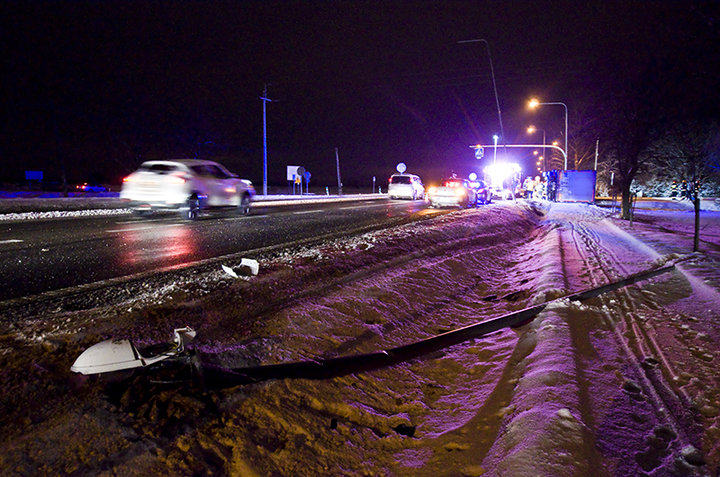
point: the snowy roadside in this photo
(663, 203)
(584, 389)
(60, 207)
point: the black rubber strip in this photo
(333, 367)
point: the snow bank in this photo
(544, 433)
(56, 214)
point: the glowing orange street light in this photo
(531, 130)
(534, 103)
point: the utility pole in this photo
(337, 165)
(492, 74)
(265, 100)
(597, 146)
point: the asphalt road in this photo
(42, 255)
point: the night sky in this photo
(101, 86)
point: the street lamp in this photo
(531, 130)
(495, 139)
(534, 103)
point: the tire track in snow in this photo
(635, 340)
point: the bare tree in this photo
(630, 130)
(581, 154)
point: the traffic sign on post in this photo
(292, 172)
(479, 152)
(401, 167)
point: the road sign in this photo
(307, 176)
(292, 172)
(401, 167)
(300, 171)
(479, 152)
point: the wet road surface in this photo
(42, 255)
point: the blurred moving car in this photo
(188, 185)
(453, 192)
(90, 187)
(408, 186)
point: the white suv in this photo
(188, 185)
(408, 186)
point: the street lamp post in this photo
(495, 140)
(534, 103)
(492, 74)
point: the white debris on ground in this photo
(623, 384)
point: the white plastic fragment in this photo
(248, 266)
(229, 271)
(253, 265)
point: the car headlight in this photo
(432, 190)
(460, 193)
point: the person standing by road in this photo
(528, 185)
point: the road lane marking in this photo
(141, 220)
(129, 229)
(146, 227)
(392, 204)
(11, 241)
(245, 217)
(307, 212)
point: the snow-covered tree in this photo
(689, 152)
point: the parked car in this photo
(188, 185)
(453, 192)
(407, 186)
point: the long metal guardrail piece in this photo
(333, 367)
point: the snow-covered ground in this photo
(53, 206)
(622, 384)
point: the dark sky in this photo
(102, 85)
